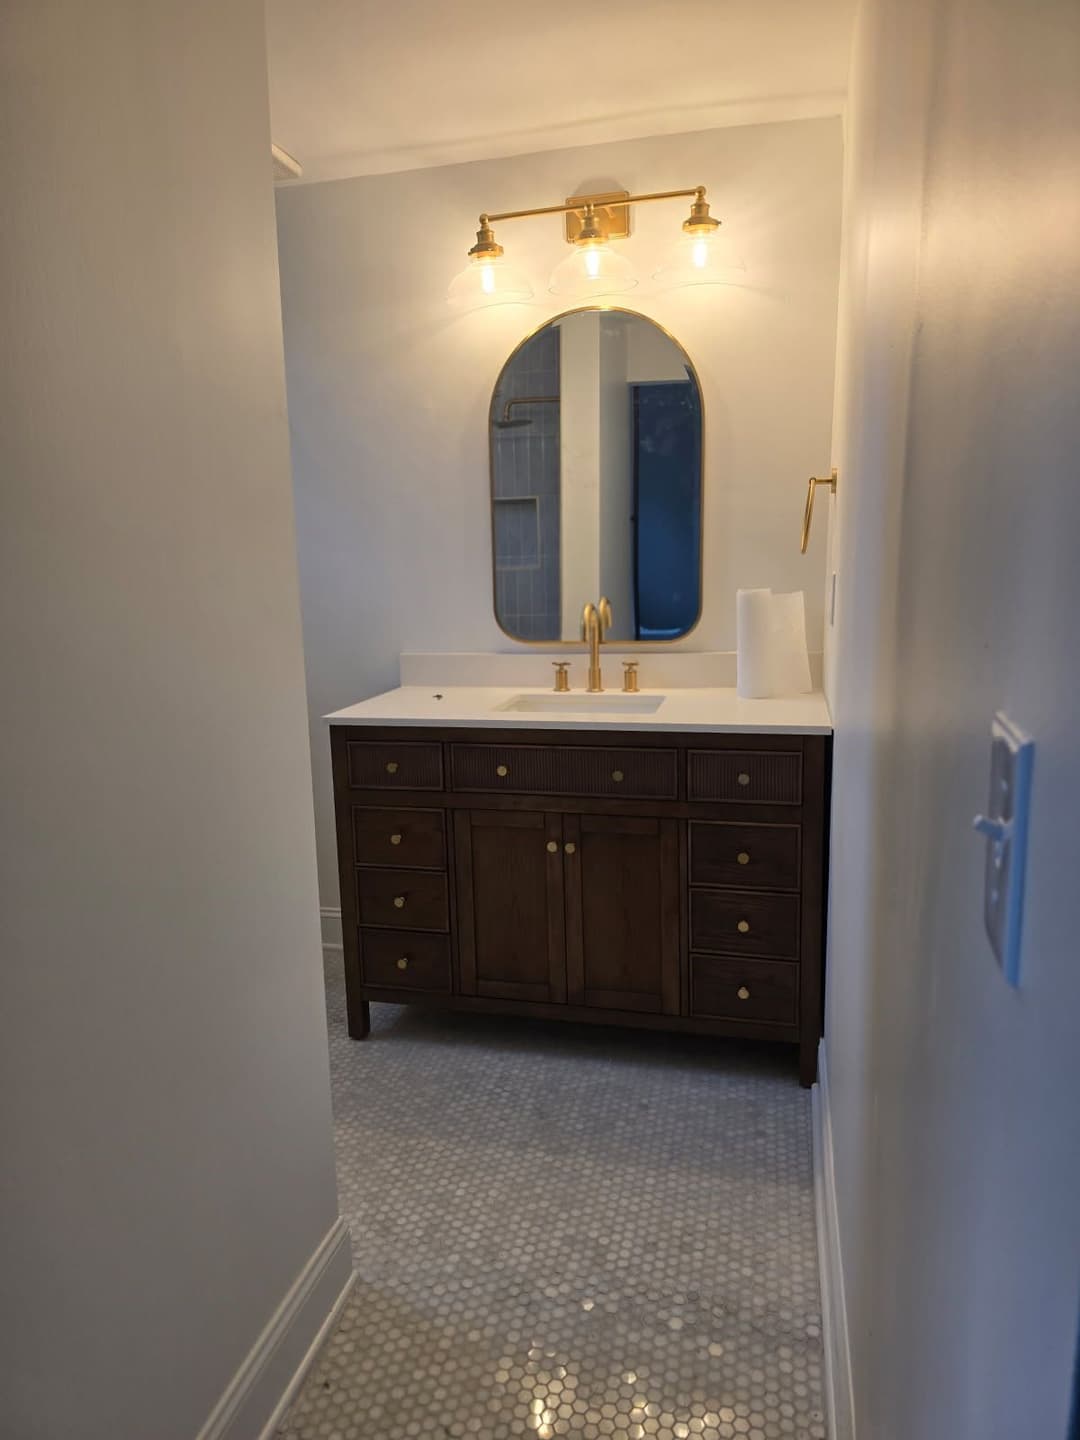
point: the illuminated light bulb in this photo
(701, 259)
(594, 269)
(488, 281)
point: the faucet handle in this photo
(562, 679)
(630, 678)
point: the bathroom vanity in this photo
(659, 863)
(637, 858)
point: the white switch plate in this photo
(1005, 826)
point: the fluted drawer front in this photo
(393, 765)
(405, 899)
(761, 777)
(405, 961)
(566, 770)
(406, 838)
(745, 924)
(744, 856)
(761, 990)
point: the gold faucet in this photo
(595, 623)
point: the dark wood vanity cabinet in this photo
(641, 879)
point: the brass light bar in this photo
(591, 221)
(586, 202)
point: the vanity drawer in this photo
(404, 899)
(761, 777)
(410, 960)
(761, 990)
(409, 839)
(394, 765)
(742, 923)
(566, 770)
(744, 857)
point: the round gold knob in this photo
(501, 770)
(743, 857)
(743, 778)
(570, 848)
(742, 992)
(395, 839)
(617, 776)
(403, 963)
(391, 767)
(399, 902)
(743, 927)
(553, 847)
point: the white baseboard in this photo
(259, 1393)
(330, 919)
(839, 1396)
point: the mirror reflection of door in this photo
(667, 508)
(596, 476)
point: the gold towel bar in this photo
(808, 513)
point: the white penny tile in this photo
(562, 1230)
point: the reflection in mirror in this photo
(596, 480)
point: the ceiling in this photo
(361, 88)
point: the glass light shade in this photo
(594, 269)
(488, 280)
(703, 259)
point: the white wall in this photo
(388, 391)
(615, 537)
(167, 1137)
(579, 468)
(953, 1098)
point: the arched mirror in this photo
(596, 480)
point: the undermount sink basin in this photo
(583, 703)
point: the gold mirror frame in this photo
(645, 645)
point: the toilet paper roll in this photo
(753, 641)
(789, 660)
(770, 633)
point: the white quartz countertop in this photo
(477, 706)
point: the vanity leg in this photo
(808, 1062)
(360, 1020)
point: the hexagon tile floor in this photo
(562, 1230)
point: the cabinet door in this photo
(622, 912)
(511, 932)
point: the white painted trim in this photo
(259, 1393)
(839, 1396)
(330, 922)
(634, 125)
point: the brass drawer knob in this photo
(395, 839)
(743, 927)
(742, 992)
(391, 767)
(399, 902)
(502, 771)
(743, 857)
(403, 963)
(617, 776)
(743, 778)
(553, 847)
(570, 848)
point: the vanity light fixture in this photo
(593, 268)
(700, 256)
(487, 279)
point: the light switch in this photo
(1005, 826)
